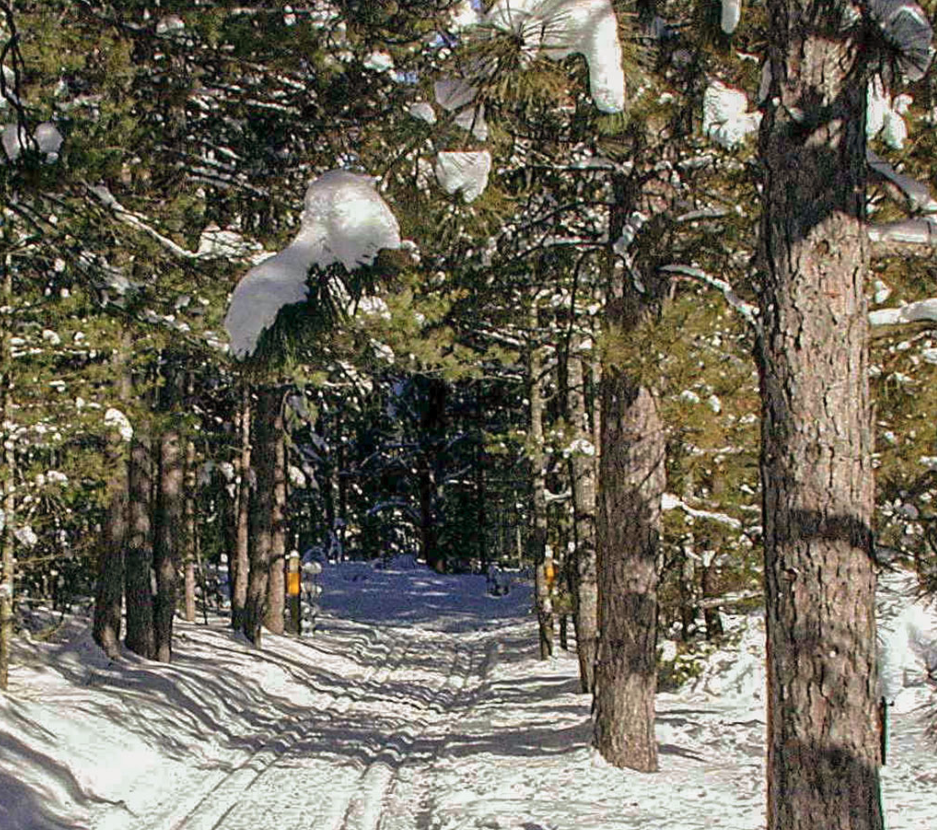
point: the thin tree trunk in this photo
(264, 432)
(816, 465)
(240, 561)
(582, 473)
(138, 577)
(275, 613)
(537, 540)
(109, 584)
(169, 530)
(7, 552)
(189, 556)
(432, 437)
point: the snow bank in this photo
(344, 220)
(907, 639)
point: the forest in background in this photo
(452, 408)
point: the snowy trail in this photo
(359, 762)
(418, 704)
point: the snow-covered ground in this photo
(418, 704)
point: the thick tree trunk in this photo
(632, 453)
(582, 473)
(275, 613)
(823, 733)
(138, 577)
(240, 559)
(632, 476)
(109, 584)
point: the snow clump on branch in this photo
(344, 220)
(560, 28)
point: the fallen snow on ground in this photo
(418, 703)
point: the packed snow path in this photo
(355, 761)
(420, 704)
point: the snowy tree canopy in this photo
(344, 221)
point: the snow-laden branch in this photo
(135, 220)
(746, 310)
(917, 193)
(670, 502)
(344, 220)
(922, 311)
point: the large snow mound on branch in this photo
(344, 220)
(559, 28)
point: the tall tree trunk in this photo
(109, 583)
(537, 540)
(432, 438)
(240, 560)
(275, 613)
(138, 578)
(7, 552)
(816, 469)
(168, 535)
(582, 473)
(266, 425)
(189, 557)
(632, 476)
(631, 485)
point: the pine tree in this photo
(823, 741)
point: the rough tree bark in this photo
(109, 581)
(631, 484)
(169, 529)
(240, 559)
(266, 426)
(631, 470)
(138, 560)
(274, 614)
(823, 736)
(582, 474)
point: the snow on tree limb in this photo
(671, 502)
(463, 171)
(917, 193)
(921, 231)
(134, 220)
(748, 311)
(559, 28)
(731, 14)
(344, 220)
(920, 311)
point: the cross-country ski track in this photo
(419, 703)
